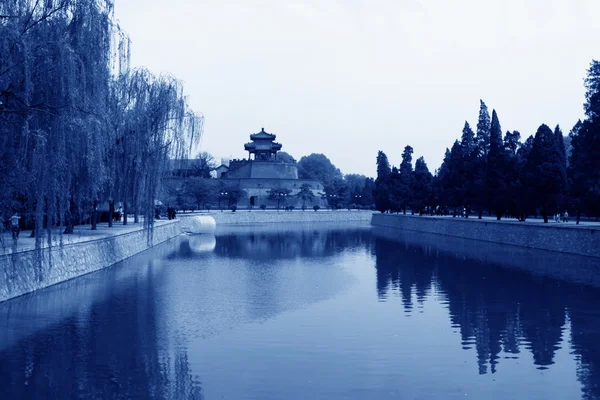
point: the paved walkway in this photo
(82, 233)
(530, 221)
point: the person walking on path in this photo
(14, 225)
(566, 216)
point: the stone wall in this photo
(569, 267)
(265, 217)
(566, 239)
(27, 271)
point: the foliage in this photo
(592, 91)
(545, 173)
(306, 194)
(318, 167)
(421, 187)
(78, 127)
(381, 191)
(316, 207)
(285, 157)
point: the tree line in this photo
(80, 128)
(195, 189)
(488, 172)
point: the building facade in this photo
(266, 180)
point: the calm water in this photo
(310, 313)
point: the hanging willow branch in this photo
(79, 126)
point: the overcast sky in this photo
(349, 77)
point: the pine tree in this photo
(483, 128)
(469, 156)
(496, 184)
(546, 175)
(560, 143)
(480, 162)
(421, 186)
(381, 191)
(592, 93)
(405, 177)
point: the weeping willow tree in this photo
(78, 127)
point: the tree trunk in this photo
(111, 211)
(125, 213)
(69, 217)
(545, 214)
(480, 213)
(94, 214)
(578, 215)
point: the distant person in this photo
(14, 225)
(566, 216)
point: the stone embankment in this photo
(268, 216)
(580, 240)
(26, 271)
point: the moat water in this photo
(308, 312)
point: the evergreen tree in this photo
(483, 128)
(469, 156)
(381, 191)
(405, 178)
(546, 175)
(479, 200)
(421, 187)
(584, 167)
(450, 180)
(496, 184)
(397, 191)
(512, 142)
(592, 93)
(560, 143)
(524, 201)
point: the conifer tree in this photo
(405, 177)
(496, 184)
(421, 187)
(381, 191)
(546, 175)
(560, 142)
(592, 93)
(483, 128)
(468, 171)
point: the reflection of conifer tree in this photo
(512, 333)
(492, 307)
(585, 331)
(542, 319)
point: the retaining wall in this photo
(267, 216)
(566, 239)
(27, 271)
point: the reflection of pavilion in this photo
(263, 172)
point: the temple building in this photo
(263, 174)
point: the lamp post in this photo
(221, 195)
(357, 200)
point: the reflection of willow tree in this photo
(289, 244)
(77, 126)
(113, 352)
(494, 308)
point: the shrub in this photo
(263, 207)
(316, 208)
(291, 208)
(233, 208)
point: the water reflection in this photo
(500, 311)
(94, 337)
(196, 317)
